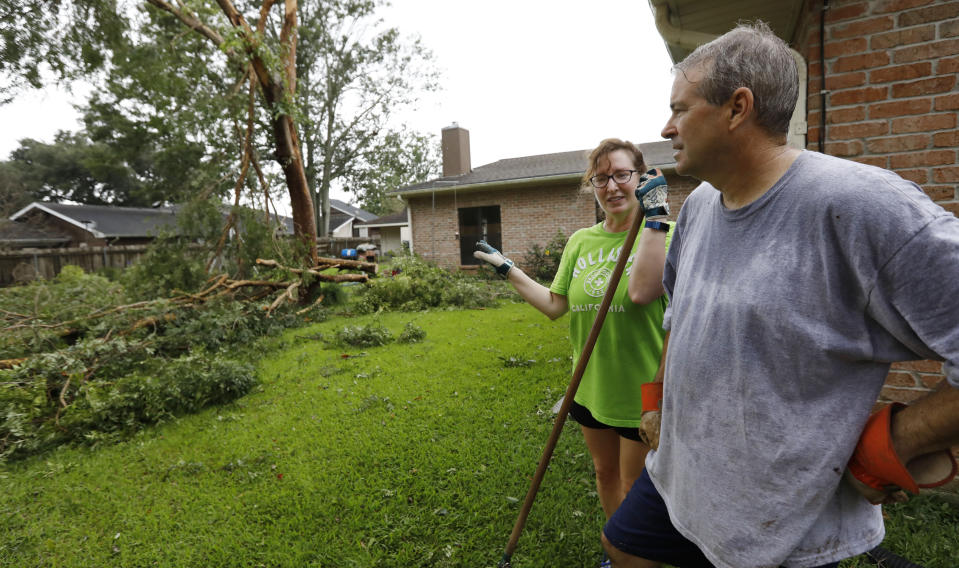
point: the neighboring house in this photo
(62, 225)
(513, 203)
(15, 235)
(393, 230)
(345, 220)
(889, 98)
(96, 225)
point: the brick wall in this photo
(528, 216)
(892, 76)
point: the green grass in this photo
(396, 456)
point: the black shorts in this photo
(584, 418)
(641, 527)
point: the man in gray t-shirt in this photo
(795, 279)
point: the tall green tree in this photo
(258, 58)
(356, 75)
(14, 194)
(178, 80)
(59, 39)
(396, 160)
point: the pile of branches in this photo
(286, 289)
(109, 371)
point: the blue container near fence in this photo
(348, 253)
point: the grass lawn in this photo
(394, 456)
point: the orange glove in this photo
(652, 401)
(876, 464)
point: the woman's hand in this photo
(652, 194)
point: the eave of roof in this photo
(498, 184)
(686, 24)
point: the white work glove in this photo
(495, 258)
(652, 195)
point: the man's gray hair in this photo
(749, 56)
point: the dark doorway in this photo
(477, 223)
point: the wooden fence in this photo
(24, 265)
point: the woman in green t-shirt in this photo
(608, 404)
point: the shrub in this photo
(542, 263)
(420, 285)
(169, 264)
(412, 333)
(67, 298)
(371, 335)
(177, 260)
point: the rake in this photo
(571, 390)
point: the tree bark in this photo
(275, 90)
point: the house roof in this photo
(28, 235)
(391, 220)
(349, 210)
(534, 170)
(338, 219)
(107, 222)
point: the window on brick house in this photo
(476, 223)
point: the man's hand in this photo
(649, 428)
(877, 471)
(652, 195)
(495, 258)
(652, 394)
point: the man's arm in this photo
(929, 425)
(907, 448)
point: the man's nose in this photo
(668, 130)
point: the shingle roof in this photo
(337, 219)
(350, 210)
(109, 222)
(398, 218)
(529, 168)
(105, 221)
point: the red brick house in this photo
(881, 90)
(512, 203)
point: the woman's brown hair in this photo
(606, 147)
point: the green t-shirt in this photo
(630, 343)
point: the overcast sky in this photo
(525, 77)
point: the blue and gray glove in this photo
(495, 258)
(652, 195)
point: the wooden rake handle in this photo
(573, 386)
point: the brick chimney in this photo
(456, 151)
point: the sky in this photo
(525, 77)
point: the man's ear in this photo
(740, 107)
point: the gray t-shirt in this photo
(785, 316)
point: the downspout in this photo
(822, 72)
